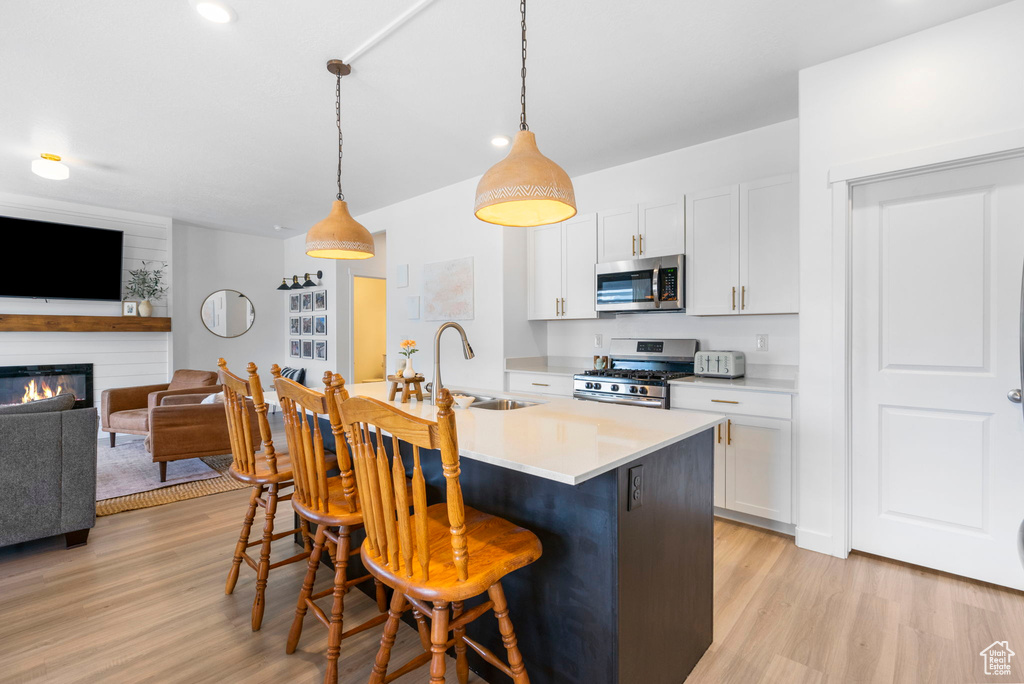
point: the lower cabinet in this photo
(757, 456)
(540, 383)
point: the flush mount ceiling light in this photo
(214, 11)
(49, 166)
(525, 188)
(339, 236)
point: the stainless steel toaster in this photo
(720, 364)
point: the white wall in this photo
(207, 260)
(119, 359)
(440, 226)
(954, 82)
(763, 152)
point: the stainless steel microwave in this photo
(656, 284)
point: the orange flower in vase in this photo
(408, 349)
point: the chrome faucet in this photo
(435, 389)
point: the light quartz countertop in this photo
(787, 385)
(565, 440)
(552, 365)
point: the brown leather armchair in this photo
(182, 427)
(126, 409)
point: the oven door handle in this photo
(656, 285)
(633, 401)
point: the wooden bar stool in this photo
(443, 554)
(329, 503)
(266, 470)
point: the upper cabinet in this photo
(640, 231)
(742, 249)
(560, 266)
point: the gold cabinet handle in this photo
(728, 432)
(743, 297)
(556, 306)
(634, 245)
(540, 384)
(719, 433)
(641, 245)
(724, 401)
(563, 306)
(734, 298)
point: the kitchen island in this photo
(621, 499)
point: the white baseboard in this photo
(816, 541)
(755, 520)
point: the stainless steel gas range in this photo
(638, 372)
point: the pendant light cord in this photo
(522, 98)
(341, 138)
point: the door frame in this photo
(352, 323)
(841, 181)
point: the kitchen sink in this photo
(503, 404)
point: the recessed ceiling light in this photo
(215, 11)
(500, 141)
(49, 166)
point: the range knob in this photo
(597, 385)
(589, 385)
(632, 389)
(615, 388)
(643, 390)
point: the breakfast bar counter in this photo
(621, 499)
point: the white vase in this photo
(145, 308)
(408, 372)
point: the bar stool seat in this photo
(264, 474)
(496, 546)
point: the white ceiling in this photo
(232, 126)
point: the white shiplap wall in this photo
(119, 359)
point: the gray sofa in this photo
(48, 469)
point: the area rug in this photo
(127, 479)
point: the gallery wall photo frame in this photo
(307, 325)
(320, 300)
(320, 324)
(320, 350)
(402, 275)
(307, 301)
(294, 303)
(307, 349)
(294, 325)
(295, 349)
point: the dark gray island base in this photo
(619, 596)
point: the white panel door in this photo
(759, 467)
(544, 259)
(661, 228)
(769, 246)
(617, 235)
(712, 252)
(938, 450)
(579, 252)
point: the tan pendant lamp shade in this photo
(339, 236)
(525, 188)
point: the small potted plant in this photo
(408, 349)
(146, 285)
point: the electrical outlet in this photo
(762, 342)
(636, 488)
(598, 341)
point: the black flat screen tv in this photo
(59, 261)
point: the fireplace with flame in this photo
(21, 384)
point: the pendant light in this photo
(525, 188)
(339, 236)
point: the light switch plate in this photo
(598, 341)
(762, 342)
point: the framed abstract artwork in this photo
(307, 349)
(320, 300)
(295, 349)
(320, 350)
(320, 324)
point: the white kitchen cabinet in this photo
(712, 251)
(617, 234)
(640, 231)
(759, 467)
(769, 246)
(540, 383)
(560, 269)
(742, 249)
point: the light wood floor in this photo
(144, 602)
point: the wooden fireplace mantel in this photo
(48, 323)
